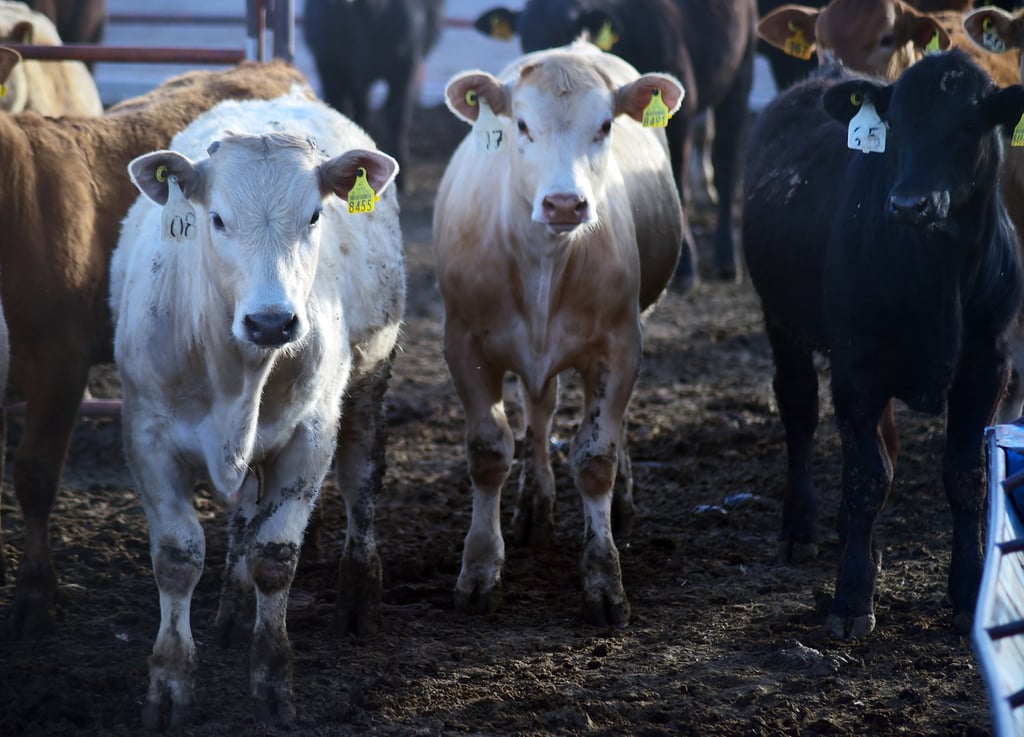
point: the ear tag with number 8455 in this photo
(362, 198)
(178, 219)
(867, 131)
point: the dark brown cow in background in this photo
(77, 21)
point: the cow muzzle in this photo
(564, 212)
(271, 329)
(918, 209)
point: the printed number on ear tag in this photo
(867, 130)
(796, 45)
(488, 130)
(178, 220)
(361, 198)
(656, 113)
(990, 39)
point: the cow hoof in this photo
(274, 707)
(533, 523)
(605, 608)
(360, 586)
(963, 622)
(175, 717)
(360, 619)
(477, 601)
(726, 273)
(796, 553)
(851, 628)
(32, 616)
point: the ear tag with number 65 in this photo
(488, 130)
(178, 220)
(867, 131)
(362, 198)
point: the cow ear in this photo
(1004, 107)
(340, 173)
(844, 100)
(23, 32)
(465, 90)
(9, 59)
(994, 29)
(601, 29)
(923, 31)
(498, 23)
(151, 174)
(633, 98)
(790, 28)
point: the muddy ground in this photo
(722, 641)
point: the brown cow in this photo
(557, 224)
(64, 190)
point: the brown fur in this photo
(65, 189)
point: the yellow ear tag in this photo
(933, 44)
(991, 39)
(178, 220)
(606, 39)
(471, 98)
(362, 198)
(796, 45)
(656, 113)
(161, 173)
(1018, 133)
(501, 29)
(3, 90)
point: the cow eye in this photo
(887, 41)
(215, 219)
(521, 125)
(606, 128)
(316, 216)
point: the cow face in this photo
(560, 114)
(941, 115)
(996, 30)
(258, 202)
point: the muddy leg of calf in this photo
(623, 508)
(533, 521)
(272, 566)
(236, 614)
(360, 465)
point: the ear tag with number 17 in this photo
(488, 130)
(178, 220)
(867, 130)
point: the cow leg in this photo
(867, 476)
(52, 394)
(623, 509)
(680, 141)
(489, 448)
(796, 392)
(972, 402)
(237, 610)
(178, 550)
(1011, 406)
(534, 516)
(360, 465)
(594, 459)
(398, 115)
(730, 121)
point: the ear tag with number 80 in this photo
(867, 131)
(488, 130)
(361, 198)
(178, 220)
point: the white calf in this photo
(248, 302)
(557, 223)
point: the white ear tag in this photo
(991, 41)
(488, 130)
(867, 130)
(178, 220)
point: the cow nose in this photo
(917, 209)
(270, 329)
(564, 209)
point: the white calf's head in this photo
(257, 202)
(562, 108)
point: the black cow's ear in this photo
(603, 31)
(844, 100)
(1004, 107)
(498, 23)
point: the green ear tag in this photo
(3, 90)
(361, 198)
(1018, 133)
(933, 44)
(796, 45)
(656, 113)
(606, 39)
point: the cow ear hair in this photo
(839, 100)
(1004, 107)
(9, 59)
(151, 174)
(778, 26)
(340, 173)
(463, 90)
(631, 99)
(498, 23)
(1002, 29)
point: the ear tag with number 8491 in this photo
(178, 220)
(867, 131)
